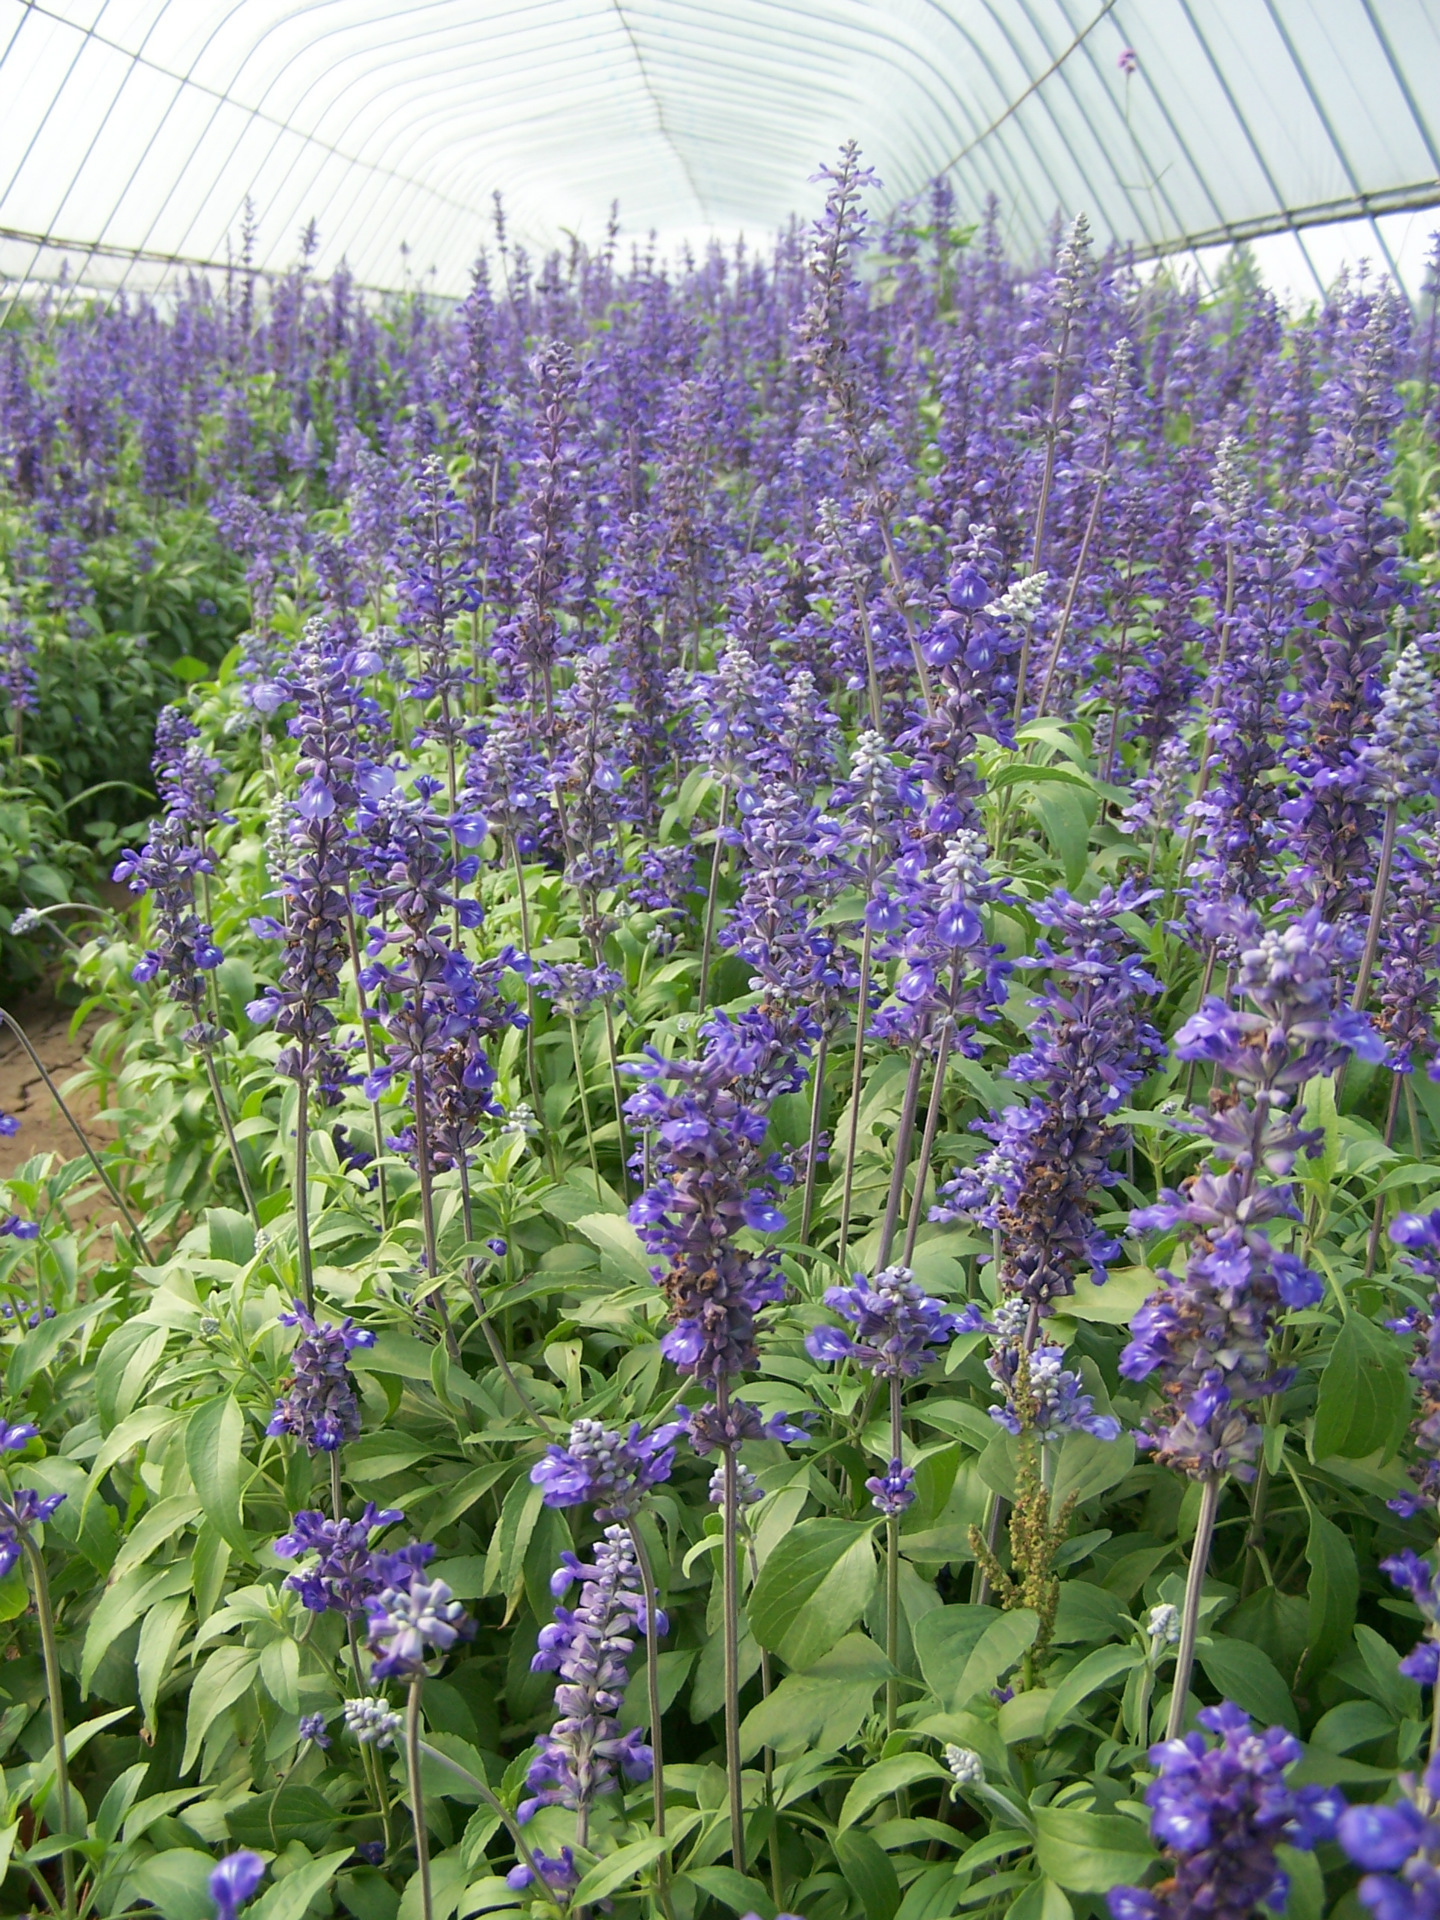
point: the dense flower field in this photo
(768, 1245)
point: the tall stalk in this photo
(427, 1206)
(652, 1689)
(50, 1653)
(712, 897)
(234, 1145)
(584, 1101)
(927, 1142)
(862, 1014)
(1377, 1219)
(900, 1151)
(482, 1314)
(812, 1150)
(302, 1191)
(730, 1602)
(377, 1126)
(417, 1793)
(892, 1572)
(1190, 1615)
(1119, 368)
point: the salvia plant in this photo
(765, 1237)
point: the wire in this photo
(1038, 82)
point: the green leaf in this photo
(933, 1894)
(1096, 1670)
(228, 1673)
(1354, 1723)
(272, 1820)
(998, 1649)
(289, 1898)
(1364, 1402)
(1065, 822)
(944, 1640)
(737, 1891)
(394, 1353)
(823, 1709)
(1088, 1467)
(814, 1586)
(120, 1606)
(1242, 1673)
(884, 1780)
(448, 1875)
(505, 1562)
(232, 1237)
(868, 1873)
(1090, 1852)
(176, 1883)
(618, 1241)
(1088, 1615)
(368, 1895)
(616, 1868)
(280, 1673)
(1333, 1590)
(1043, 1901)
(1306, 1899)
(160, 1635)
(214, 1456)
(40, 1346)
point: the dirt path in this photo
(24, 1094)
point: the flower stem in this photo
(367, 1036)
(507, 1819)
(50, 1652)
(927, 1144)
(900, 1150)
(487, 1325)
(892, 1573)
(584, 1101)
(532, 1069)
(1190, 1617)
(652, 1686)
(712, 896)
(231, 1141)
(862, 1010)
(1392, 1114)
(1377, 909)
(730, 1600)
(812, 1149)
(417, 1795)
(302, 1192)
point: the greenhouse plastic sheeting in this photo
(133, 132)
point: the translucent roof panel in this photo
(134, 132)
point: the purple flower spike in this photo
(234, 1882)
(15, 1439)
(892, 1493)
(1203, 1338)
(1399, 1846)
(895, 1322)
(320, 1407)
(411, 1620)
(588, 1646)
(347, 1573)
(1219, 1812)
(559, 1873)
(604, 1469)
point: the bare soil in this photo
(43, 1128)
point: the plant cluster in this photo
(773, 1234)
